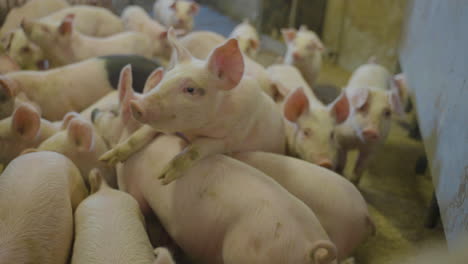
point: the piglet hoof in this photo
(178, 166)
(111, 157)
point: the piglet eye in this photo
(25, 49)
(307, 132)
(189, 90)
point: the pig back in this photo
(217, 197)
(38, 193)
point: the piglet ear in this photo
(26, 122)
(227, 64)
(289, 34)
(359, 98)
(340, 108)
(66, 26)
(180, 54)
(125, 81)
(163, 35)
(96, 181)
(173, 6)
(67, 118)
(194, 7)
(153, 79)
(126, 92)
(80, 133)
(296, 104)
(395, 102)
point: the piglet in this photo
(247, 35)
(310, 125)
(336, 202)
(26, 54)
(176, 13)
(225, 211)
(31, 10)
(81, 144)
(111, 221)
(38, 194)
(62, 44)
(212, 103)
(304, 50)
(372, 96)
(135, 18)
(22, 130)
(89, 20)
(71, 88)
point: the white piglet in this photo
(304, 50)
(247, 35)
(372, 95)
(212, 103)
(176, 13)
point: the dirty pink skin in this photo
(62, 44)
(38, 194)
(247, 35)
(135, 18)
(89, 20)
(81, 144)
(23, 129)
(372, 96)
(7, 64)
(176, 13)
(201, 43)
(310, 125)
(228, 212)
(336, 202)
(112, 220)
(304, 50)
(62, 90)
(211, 103)
(31, 10)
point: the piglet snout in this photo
(326, 163)
(296, 55)
(370, 134)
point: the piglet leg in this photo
(129, 146)
(361, 165)
(341, 164)
(199, 149)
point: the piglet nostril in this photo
(370, 134)
(326, 164)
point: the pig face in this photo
(18, 132)
(193, 92)
(48, 36)
(183, 14)
(313, 138)
(111, 120)
(28, 55)
(371, 112)
(302, 44)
